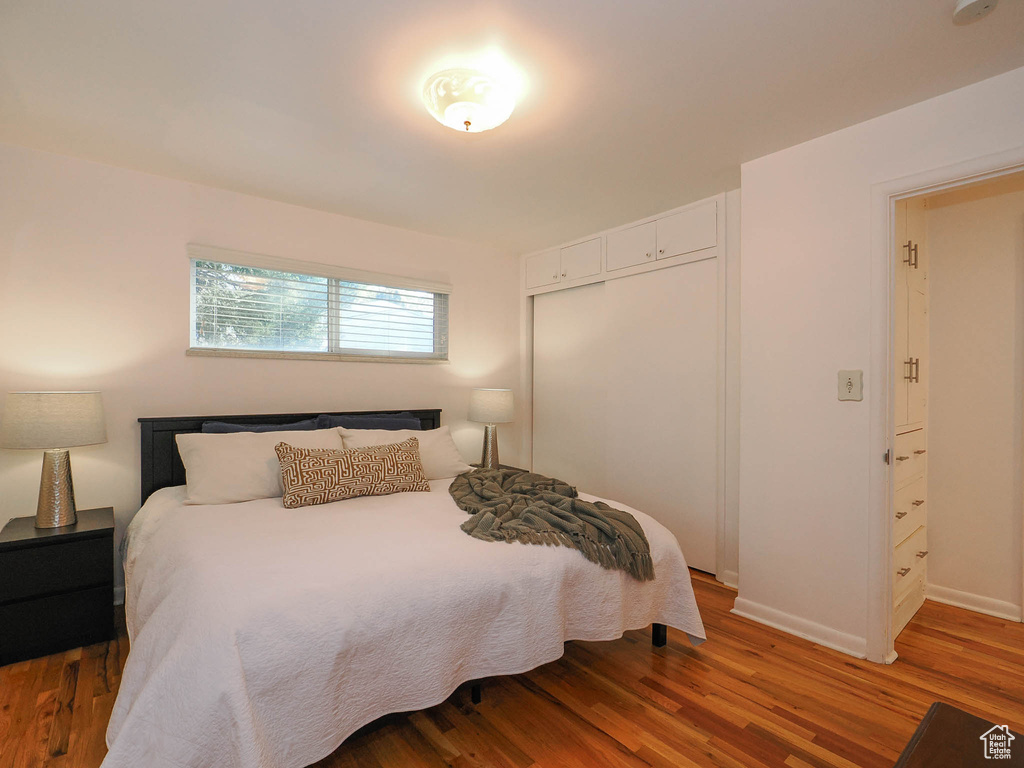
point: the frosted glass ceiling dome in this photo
(468, 99)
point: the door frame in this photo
(880, 640)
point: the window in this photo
(267, 307)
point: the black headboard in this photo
(161, 464)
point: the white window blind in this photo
(260, 309)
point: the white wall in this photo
(807, 311)
(976, 255)
(94, 284)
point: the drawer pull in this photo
(917, 502)
(902, 458)
(903, 571)
(923, 553)
(901, 514)
(919, 452)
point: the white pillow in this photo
(240, 466)
(438, 453)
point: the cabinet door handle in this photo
(917, 502)
(648, 254)
(902, 458)
(563, 274)
(913, 374)
(661, 250)
(901, 514)
(903, 571)
(920, 452)
(923, 553)
(911, 260)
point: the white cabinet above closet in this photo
(632, 246)
(688, 234)
(543, 269)
(581, 260)
(688, 231)
(564, 265)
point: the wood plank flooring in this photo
(749, 697)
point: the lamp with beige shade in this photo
(491, 407)
(53, 422)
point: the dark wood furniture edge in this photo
(45, 536)
(922, 727)
(659, 635)
(161, 466)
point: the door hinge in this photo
(885, 458)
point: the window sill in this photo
(338, 357)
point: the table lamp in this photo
(54, 422)
(491, 407)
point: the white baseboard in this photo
(729, 578)
(987, 605)
(118, 595)
(809, 630)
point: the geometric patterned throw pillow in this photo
(321, 475)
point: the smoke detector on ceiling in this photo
(972, 10)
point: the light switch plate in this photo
(851, 385)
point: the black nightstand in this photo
(56, 585)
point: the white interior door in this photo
(901, 351)
(917, 312)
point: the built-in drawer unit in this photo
(909, 509)
(909, 563)
(905, 608)
(909, 457)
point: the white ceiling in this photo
(633, 107)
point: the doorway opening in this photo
(956, 386)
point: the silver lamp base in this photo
(56, 507)
(489, 460)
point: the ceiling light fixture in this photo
(972, 10)
(468, 100)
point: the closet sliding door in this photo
(626, 396)
(570, 403)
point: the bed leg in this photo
(475, 693)
(659, 635)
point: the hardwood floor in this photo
(751, 696)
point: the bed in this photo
(263, 636)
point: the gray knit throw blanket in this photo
(513, 505)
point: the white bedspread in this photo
(262, 636)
